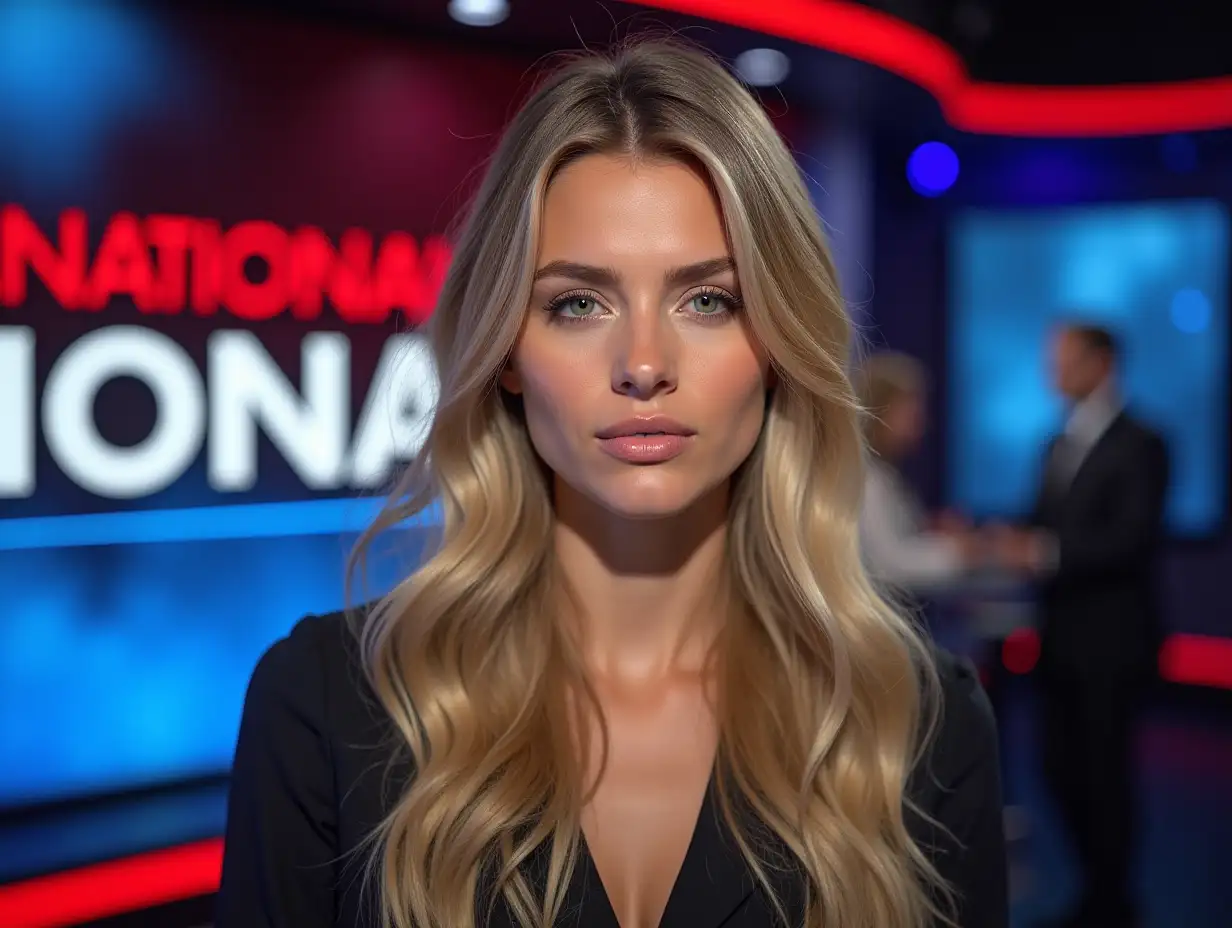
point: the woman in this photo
(901, 549)
(642, 680)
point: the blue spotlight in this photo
(1191, 311)
(932, 169)
(70, 73)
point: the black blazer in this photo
(311, 780)
(1100, 607)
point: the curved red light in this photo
(974, 106)
(114, 887)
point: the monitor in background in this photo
(1154, 273)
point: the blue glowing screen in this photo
(1154, 273)
(126, 664)
(131, 623)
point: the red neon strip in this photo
(1197, 660)
(161, 877)
(974, 106)
(113, 888)
(1190, 660)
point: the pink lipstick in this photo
(645, 439)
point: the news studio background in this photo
(220, 225)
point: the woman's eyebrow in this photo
(585, 273)
(607, 277)
(696, 273)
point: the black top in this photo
(312, 777)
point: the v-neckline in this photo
(712, 881)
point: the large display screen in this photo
(190, 437)
(218, 233)
(1154, 273)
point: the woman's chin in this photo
(652, 498)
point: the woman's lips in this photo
(652, 448)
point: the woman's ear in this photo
(511, 380)
(772, 383)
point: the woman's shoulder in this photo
(310, 781)
(965, 729)
(310, 661)
(961, 753)
(956, 813)
(311, 711)
(314, 678)
(960, 685)
(315, 645)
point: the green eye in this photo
(576, 307)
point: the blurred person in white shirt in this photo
(905, 548)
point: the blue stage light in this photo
(1191, 311)
(200, 523)
(932, 169)
(70, 72)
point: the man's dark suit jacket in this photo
(312, 778)
(1100, 607)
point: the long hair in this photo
(825, 689)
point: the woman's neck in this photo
(650, 591)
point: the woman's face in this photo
(643, 387)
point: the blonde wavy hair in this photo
(826, 691)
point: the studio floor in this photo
(1184, 868)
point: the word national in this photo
(254, 270)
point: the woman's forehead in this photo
(603, 209)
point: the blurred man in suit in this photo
(1093, 543)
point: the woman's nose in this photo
(645, 362)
